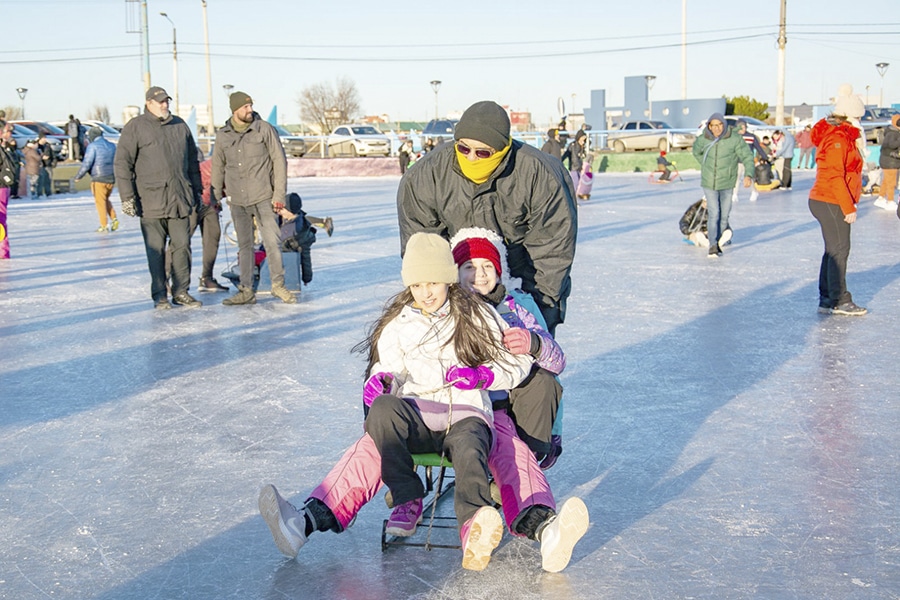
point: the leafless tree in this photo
(324, 107)
(12, 112)
(99, 113)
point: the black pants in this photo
(157, 233)
(833, 270)
(210, 232)
(533, 406)
(399, 432)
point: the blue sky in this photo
(74, 54)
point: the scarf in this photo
(479, 170)
(238, 125)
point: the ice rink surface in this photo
(729, 441)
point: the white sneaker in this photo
(881, 203)
(287, 524)
(559, 537)
(725, 238)
(480, 535)
(734, 199)
(892, 205)
(754, 196)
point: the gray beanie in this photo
(93, 133)
(485, 121)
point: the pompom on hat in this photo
(472, 242)
(848, 104)
(428, 260)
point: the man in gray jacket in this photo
(486, 179)
(249, 165)
(159, 181)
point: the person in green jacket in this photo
(719, 150)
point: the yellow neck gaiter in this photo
(479, 170)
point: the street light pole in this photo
(651, 79)
(436, 85)
(211, 122)
(228, 87)
(22, 91)
(882, 69)
(174, 59)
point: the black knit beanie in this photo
(485, 121)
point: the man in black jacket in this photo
(488, 180)
(159, 180)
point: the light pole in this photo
(174, 59)
(867, 94)
(228, 87)
(882, 69)
(211, 122)
(435, 85)
(651, 79)
(22, 91)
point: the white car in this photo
(648, 135)
(358, 140)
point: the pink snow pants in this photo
(356, 478)
(4, 206)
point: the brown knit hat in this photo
(239, 99)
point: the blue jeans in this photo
(718, 207)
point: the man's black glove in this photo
(129, 207)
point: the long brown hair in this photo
(474, 341)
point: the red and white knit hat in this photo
(478, 242)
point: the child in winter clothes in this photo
(662, 166)
(357, 478)
(297, 235)
(526, 411)
(434, 354)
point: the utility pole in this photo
(145, 39)
(684, 49)
(782, 42)
(174, 60)
(211, 123)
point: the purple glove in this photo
(470, 378)
(377, 385)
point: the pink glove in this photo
(470, 378)
(276, 206)
(517, 340)
(377, 385)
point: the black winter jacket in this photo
(156, 164)
(890, 143)
(529, 200)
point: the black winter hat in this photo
(485, 121)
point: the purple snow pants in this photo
(4, 232)
(356, 478)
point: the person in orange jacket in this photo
(833, 198)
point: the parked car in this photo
(648, 135)
(294, 145)
(22, 135)
(875, 121)
(59, 141)
(110, 133)
(358, 140)
(440, 128)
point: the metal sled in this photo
(437, 491)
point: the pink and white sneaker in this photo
(405, 518)
(479, 536)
